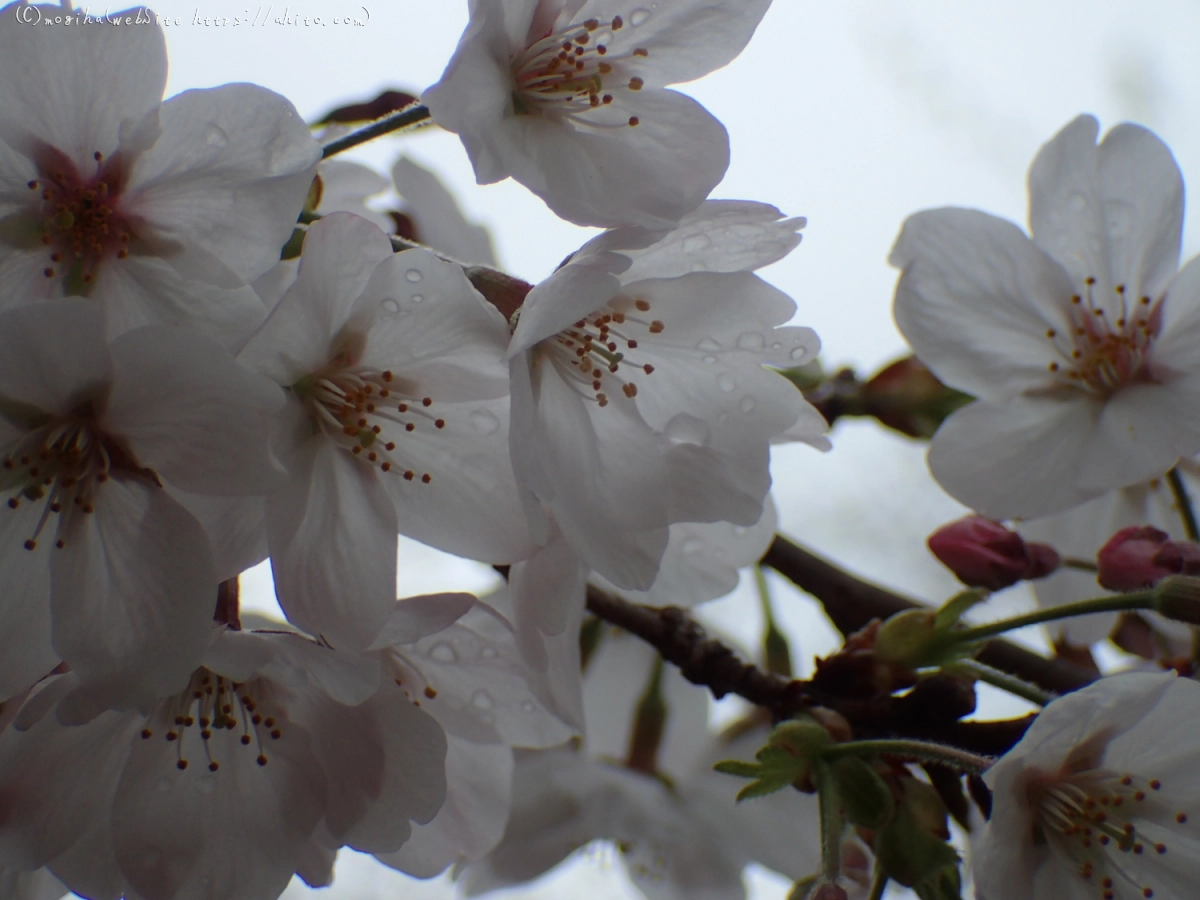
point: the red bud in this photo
(1140, 556)
(985, 554)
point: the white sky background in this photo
(854, 114)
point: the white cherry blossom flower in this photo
(1079, 342)
(1099, 799)
(226, 789)
(396, 422)
(434, 214)
(568, 97)
(106, 570)
(640, 397)
(164, 212)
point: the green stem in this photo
(832, 824)
(1184, 502)
(775, 644)
(879, 882)
(959, 760)
(1116, 603)
(1002, 680)
(402, 118)
(1083, 565)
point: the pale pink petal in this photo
(90, 867)
(440, 223)
(192, 413)
(340, 253)
(132, 593)
(22, 272)
(332, 535)
(26, 654)
(53, 356)
(984, 455)
(236, 528)
(418, 617)
(316, 865)
(347, 677)
(976, 300)
(346, 186)
(73, 87)
(570, 294)
(225, 182)
(1176, 350)
(471, 821)
(194, 833)
(39, 885)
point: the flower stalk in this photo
(409, 117)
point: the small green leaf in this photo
(738, 768)
(866, 798)
(954, 608)
(761, 788)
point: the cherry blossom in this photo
(396, 422)
(1099, 798)
(433, 214)
(164, 212)
(1079, 342)
(640, 397)
(108, 572)
(276, 745)
(568, 97)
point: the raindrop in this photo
(751, 340)
(215, 136)
(413, 275)
(740, 531)
(777, 346)
(708, 344)
(692, 546)
(484, 421)
(527, 706)
(725, 382)
(685, 429)
(208, 785)
(1078, 202)
(1118, 217)
(709, 360)
(481, 699)
(694, 243)
(798, 353)
(417, 298)
(390, 304)
(746, 404)
(443, 653)
(639, 17)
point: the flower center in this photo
(211, 704)
(82, 225)
(570, 71)
(1110, 826)
(62, 465)
(1108, 345)
(361, 409)
(597, 348)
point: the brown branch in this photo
(851, 603)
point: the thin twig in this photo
(1184, 503)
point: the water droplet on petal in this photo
(527, 706)
(708, 344)
(390, 305)
(413, 275)
(488, 652)
(746, 404)
(694, 243)
(692, 546)
(481, 699)
(751, 340)
(725, 382)
(484, 421)
(1118, 217)
(685, 429)
(709, 360)
(639, 17)
(1078, 202)
(417, 298)
(215, 136)
(740, 531)
(798, 353)
(443, 653)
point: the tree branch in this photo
(851, 603)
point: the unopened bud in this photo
(1141, 556)
(502, 291)
(908, 397)
(1178, 598)
(907, 637)
(985, 554)
(833, 722)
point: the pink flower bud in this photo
(1140, 556)
(985, 554)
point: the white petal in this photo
(666, 164)
(194, 834)
(1176, 350)
(976, 300)
(471, 821)
(440, 223)
(145, 290)
(332, 535)
(132, 594)
(53, 355)
(571, 293)
(26, 654)
(192, 413)
(90, 867)
(418, 617)
(225, 181)
(39, 885)
(236, 528)
(73, 87)
(1019, 458)
(340, 253)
